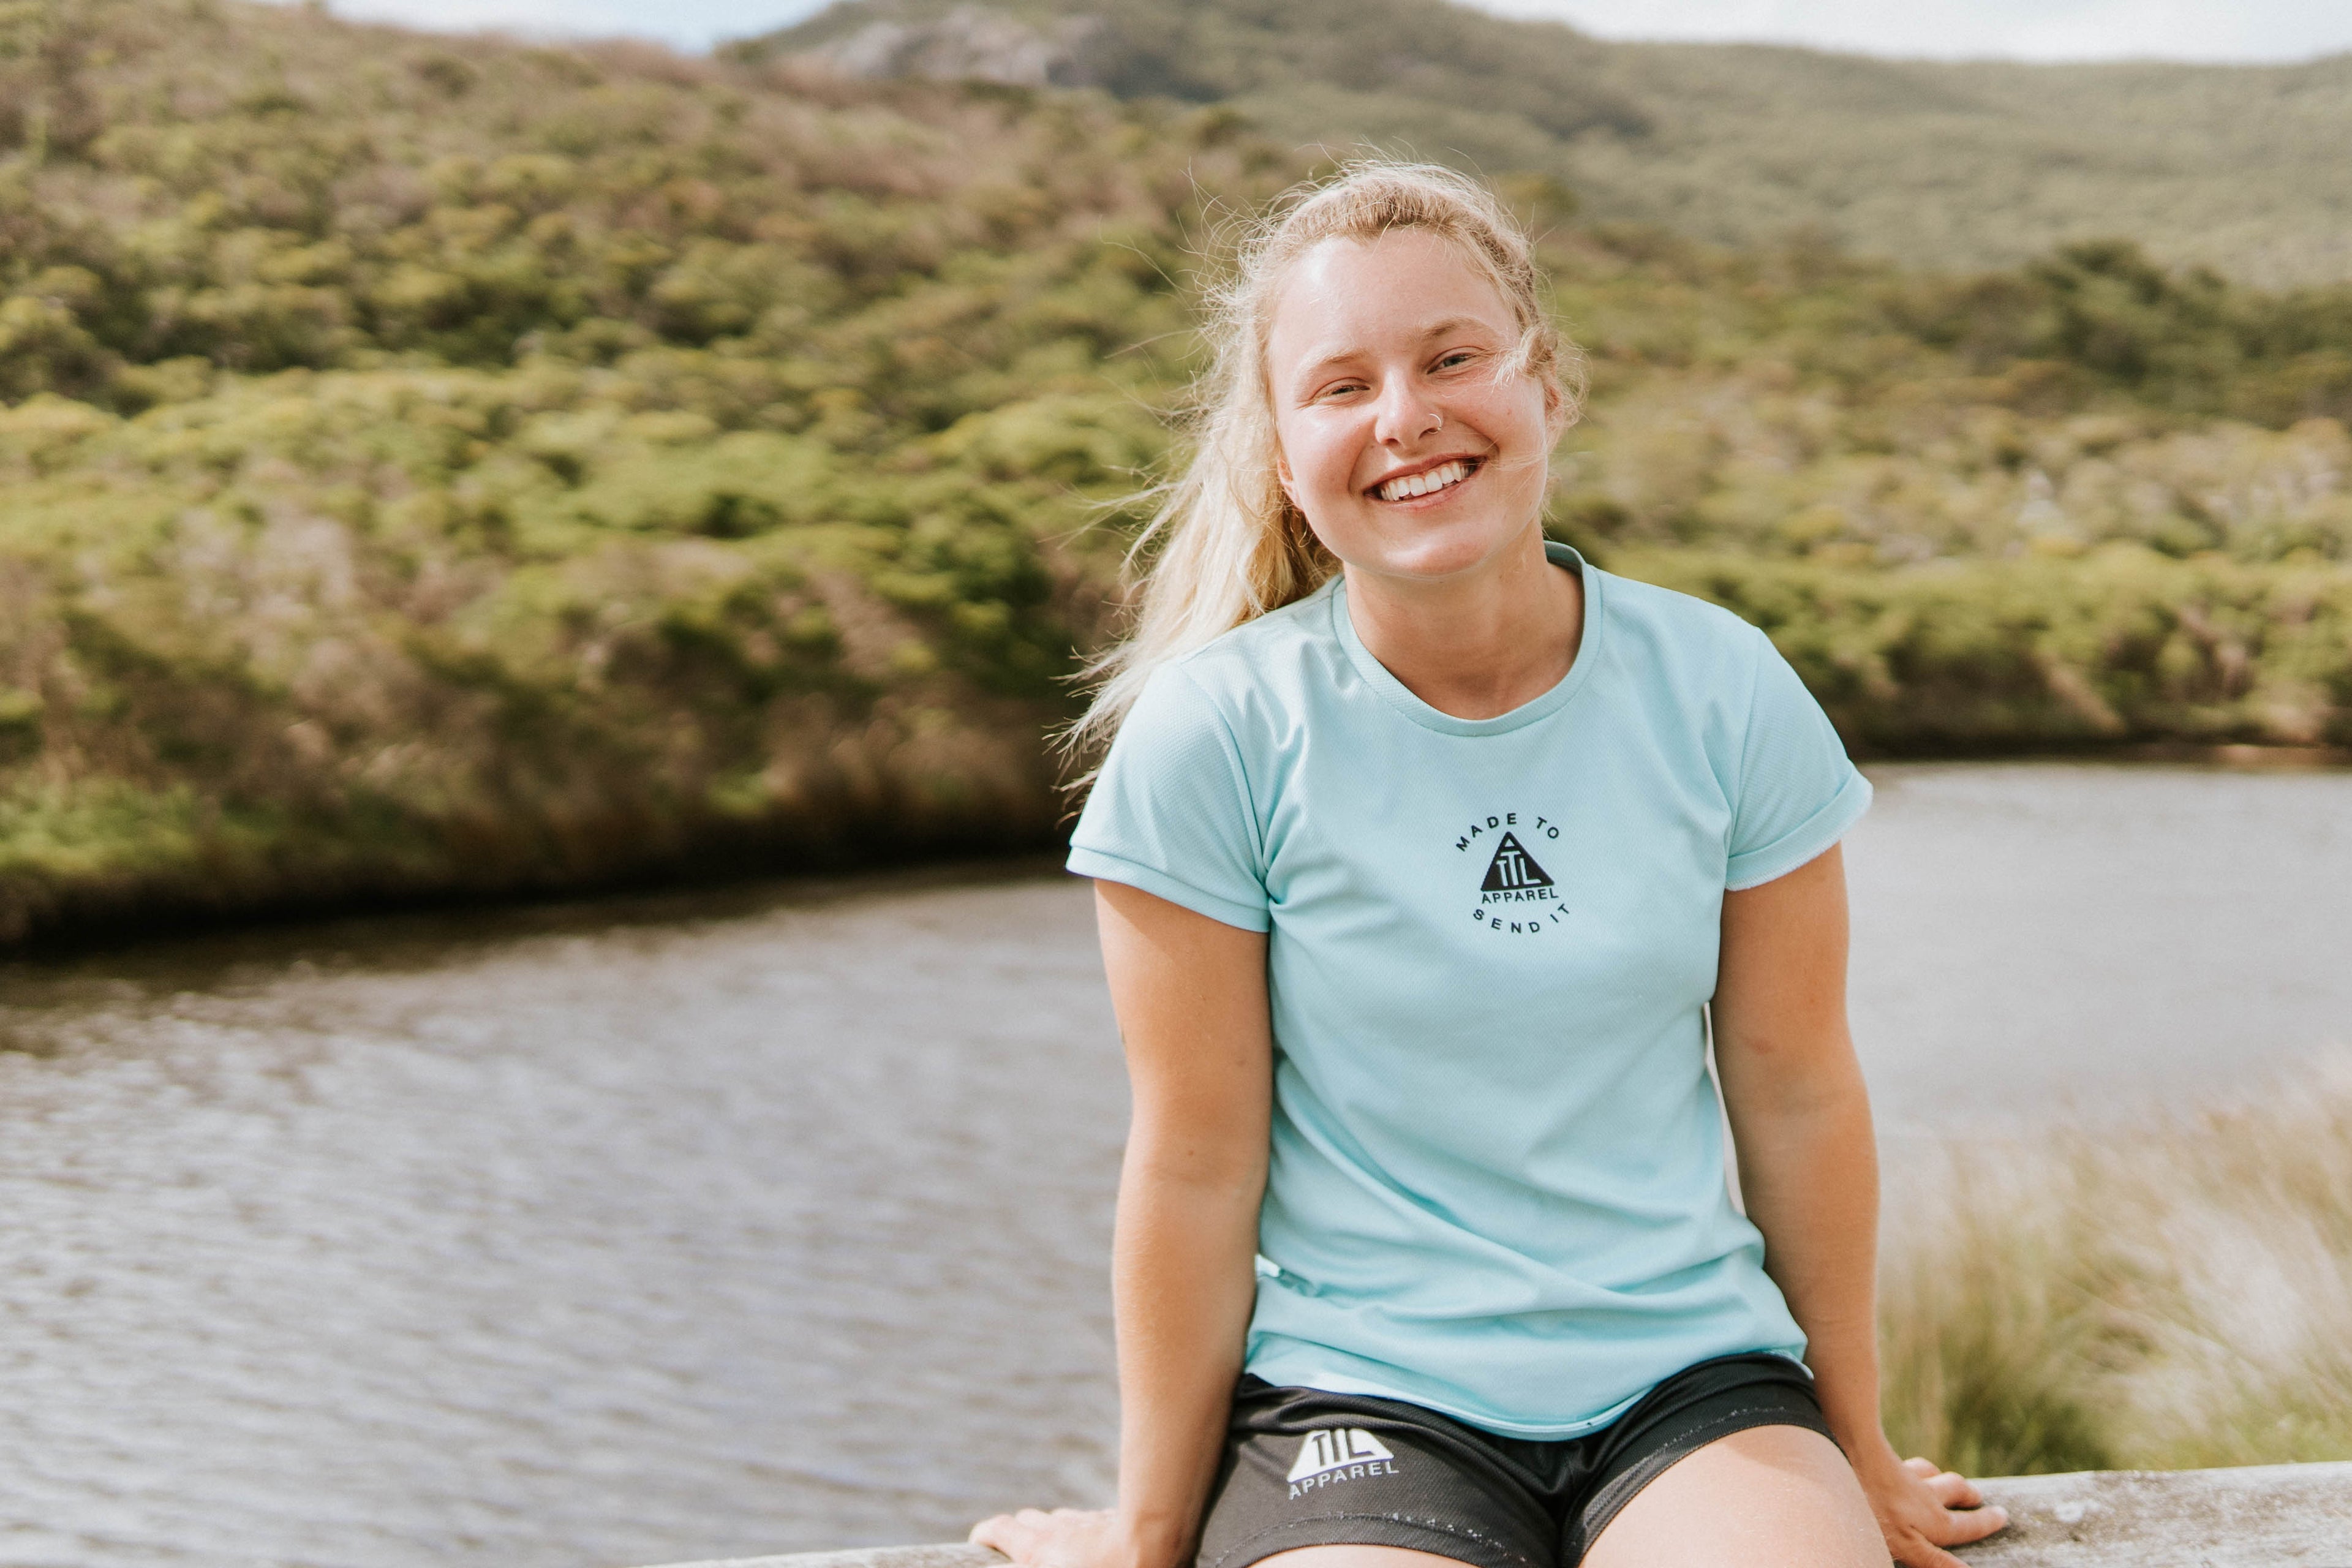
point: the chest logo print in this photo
(1518, 897)
(1512, 867)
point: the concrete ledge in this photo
(2264, 1516)
(2255, 1517)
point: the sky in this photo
(2245, 30)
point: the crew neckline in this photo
(1397, 695)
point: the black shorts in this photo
(1303, 1468)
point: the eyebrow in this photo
(1438, 329)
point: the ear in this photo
(1282, 476)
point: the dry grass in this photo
(2161, 1295)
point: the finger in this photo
(1917, 1552)
(1923, 1468)
(996, 1532)
(1014, 1534)
(1964, 1525)
(1955, 1490)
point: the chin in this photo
(1443, 547)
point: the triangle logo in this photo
(1335, 1449)
(1513, 867)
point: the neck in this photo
(1479, 645)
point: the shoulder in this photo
(1687, 672)
(1272, 650)
(1678, 638)
(1267, 667)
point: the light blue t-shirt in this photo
(1496, 1186)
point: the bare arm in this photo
(1808, 1171)
(1191, 996)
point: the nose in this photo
(1406, 413)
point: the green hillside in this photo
(2245, 169)
(432, 467)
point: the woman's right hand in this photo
(1066, 1538)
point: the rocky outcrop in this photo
(971, 43)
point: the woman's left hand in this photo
(1922, 1509)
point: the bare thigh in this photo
(1356, 1557)
(1770, 1496)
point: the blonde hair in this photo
(1226, 545)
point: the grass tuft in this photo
(2161, 1296)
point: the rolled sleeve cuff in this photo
(1160, 884)
(1810, 839)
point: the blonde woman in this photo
(1424, 853)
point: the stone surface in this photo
(2261, 1515)
(2266, 1516)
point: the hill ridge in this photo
(1971, 164)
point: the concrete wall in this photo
(2267, 1516)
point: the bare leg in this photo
(1770, 1496)
(1356, 1557)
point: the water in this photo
(2034, 939)
(626, 1242)
(644, 1231)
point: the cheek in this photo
(1320, 454)
(1511, 416)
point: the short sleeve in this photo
(1171, 811)
(1798, 792)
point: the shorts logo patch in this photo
(1339, 1454)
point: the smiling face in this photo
(1413, 446)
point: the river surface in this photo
(647, 1230)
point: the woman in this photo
(1421, 853)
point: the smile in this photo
(1445, 476)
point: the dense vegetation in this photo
(434, 467)
(430, 466)
(1984, 164)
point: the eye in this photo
(1341, 388)
(1456, 359)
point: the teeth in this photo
(1436, 478)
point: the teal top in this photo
(1496, 1187)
